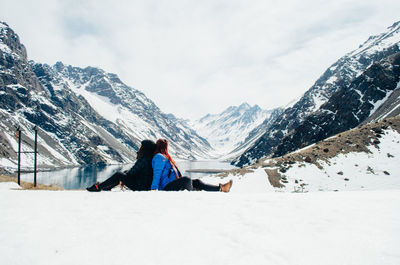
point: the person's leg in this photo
(112, 181)
(109, 183)
(200, 185)
(183, 183)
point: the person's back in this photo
(142, 173)
(162, 172)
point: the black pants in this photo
(186, 183)
(114, 180)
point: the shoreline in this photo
(28, 185)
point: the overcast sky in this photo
(196, 57)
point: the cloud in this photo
(196, 57)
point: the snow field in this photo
(255, 182)
(67, 227)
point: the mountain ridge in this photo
(338, 75)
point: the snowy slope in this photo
(377, 170)
(77, 227)
(225, 131)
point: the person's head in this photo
(147, 148)
(162, 148)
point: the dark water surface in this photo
(82, 177)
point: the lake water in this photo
(82, 177)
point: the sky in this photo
(198, 57)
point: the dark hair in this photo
(147, 148)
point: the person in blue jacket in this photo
(167, 177)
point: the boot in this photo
(225, 187)
(95, 187)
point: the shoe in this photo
(225, 187)
(95, 187)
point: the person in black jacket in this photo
(138, 178)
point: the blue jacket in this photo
(161, 172)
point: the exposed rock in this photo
(370, 170)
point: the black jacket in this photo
(140, 176)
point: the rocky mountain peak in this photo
(10, 43)
(378, 43)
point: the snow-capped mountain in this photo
(362, 98)
(126, 107)
(227, 130)
(84, 116)
(339, 76)
(254, 134)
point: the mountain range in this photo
(360, 87)
(86, 115)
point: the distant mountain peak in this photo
(244, 105)
(226, 130)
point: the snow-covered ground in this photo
(377, 170)
(241, 227)
(253, 224)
